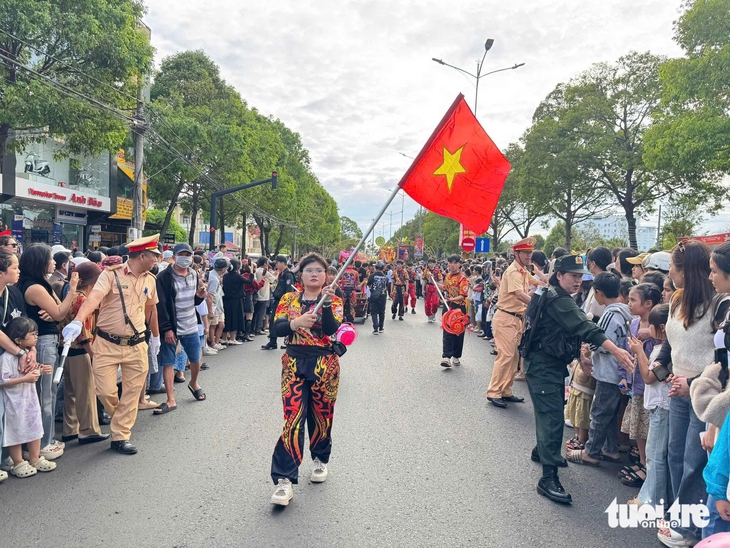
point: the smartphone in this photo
(661, 373)
(721, 358)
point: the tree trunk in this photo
(265, 234)
(279, 240)
(171, 207)
(568, 231)
(631, 219)
(194, 214)
(4, 134)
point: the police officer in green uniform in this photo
(556, 327)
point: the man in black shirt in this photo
(285, 284)
(378, 284)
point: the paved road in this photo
(418, 460)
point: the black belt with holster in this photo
(121, 341)
(515, 314)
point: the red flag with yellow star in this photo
(460, 172)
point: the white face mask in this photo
(183, 261)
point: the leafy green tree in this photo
(61, 41)
(690, 136)
(349, 229)
(155, 218)
(440, 234)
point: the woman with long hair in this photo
(695, 311)
(310, 377)
(233, 295)
(46, 310)
(250, 287)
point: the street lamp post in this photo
(480, 64)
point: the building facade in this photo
(615, 227)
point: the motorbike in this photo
(34, 164)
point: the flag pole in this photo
(362, 241)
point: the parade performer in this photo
(432, 275)
(310, 377)
(126, 296)
(350, 283)
(398, 291)
(508, 323)
(456, 288)
(411, 295)
(556, 329)
(378, 284)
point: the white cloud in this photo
(356, 80)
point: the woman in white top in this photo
(694, 314)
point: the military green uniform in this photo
(559, 331)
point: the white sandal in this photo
(23, 470)
(43, 465)
(52, 451)
(3, 475)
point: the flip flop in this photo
(576, 457)
(164, 408)
(179, 380)
(632, 480)
(197, 394)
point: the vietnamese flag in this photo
(460, 172)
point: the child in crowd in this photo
(656, 487)
(23, 423)
(668, 290)
(626, 285)
(478, 293)
(578, 410)
(615, 322)
(642, 299)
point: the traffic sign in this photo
(482, 245)
(467, 244)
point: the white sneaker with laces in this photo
(445, 362)
(455, 361)
(208, 351)
(319, 472)
(283, 494)
(219, 346)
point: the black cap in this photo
(179, 248)
(571, 263)
(220, 263)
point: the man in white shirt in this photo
(215, 303)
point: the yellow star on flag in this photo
(451, 166)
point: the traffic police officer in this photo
(556, 328)
(126, 296)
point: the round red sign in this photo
(467, 244)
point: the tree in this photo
(95, 47)
(689, 138)
(612, 105)
(440, 234)
(550, 167)
(349, 229)
(156, 217)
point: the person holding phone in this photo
(695, 312)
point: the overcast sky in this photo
(356, 79)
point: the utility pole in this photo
(140, 126)
(294, 251)
(243, 235)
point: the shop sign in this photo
(95, 228)
(94, 238)
(34, 190)
(70, 216)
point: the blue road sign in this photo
(482, 245)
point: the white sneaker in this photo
(208, 351)
(6, 465)
(219, 346)
(283, 494)
(319, 472)
(445, 362)
(455, 361)
(234, 341)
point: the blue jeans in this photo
(603, 432)
(717, 524)
(47, 354)
(657, 488)
(190, 347)
(686, 458)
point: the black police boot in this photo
(535, 457)
(549, 486)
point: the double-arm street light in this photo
(487, 46)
